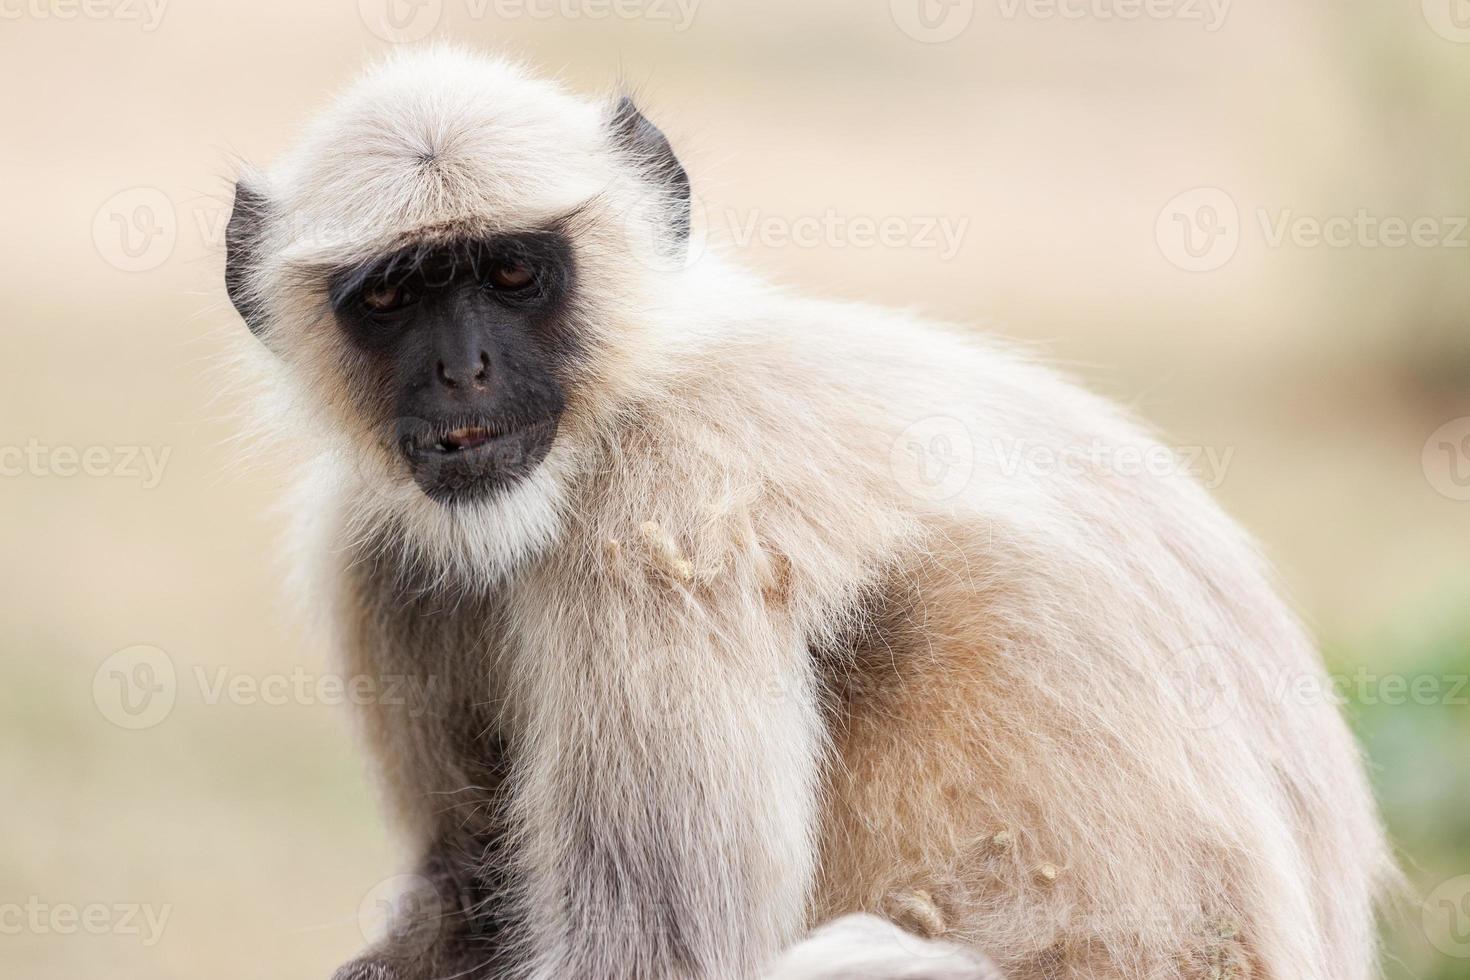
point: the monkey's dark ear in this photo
(242, 253)
(646, 143)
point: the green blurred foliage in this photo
(1408, 697)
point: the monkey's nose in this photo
(467, 374)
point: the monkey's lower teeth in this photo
(462, 439)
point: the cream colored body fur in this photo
(747, 676)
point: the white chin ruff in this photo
(473, 544)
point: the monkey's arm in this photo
(666, 784)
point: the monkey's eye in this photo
(386, 297)
(512, 276)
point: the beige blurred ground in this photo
(1324, 370)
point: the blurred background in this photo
(1245, 220)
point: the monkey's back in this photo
(1074, 723)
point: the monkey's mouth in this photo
(464, 439)
(456, 461)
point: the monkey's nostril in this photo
(444, 375)
(483, 371)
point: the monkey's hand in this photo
(393, 964)
(432, 929)
(368, 969)
(865, 947)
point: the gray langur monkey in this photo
(754, 652)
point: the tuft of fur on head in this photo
(434, 146)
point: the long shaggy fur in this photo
(718, 673)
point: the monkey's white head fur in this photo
(434, 146)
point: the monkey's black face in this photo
(471, 345)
